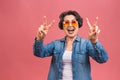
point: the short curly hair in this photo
(70, 12)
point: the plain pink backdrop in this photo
(20, 19)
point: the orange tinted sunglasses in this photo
(67, 23)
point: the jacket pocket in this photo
(56, 56)
(80, 57)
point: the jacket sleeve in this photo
(97, 52)
(41, 50)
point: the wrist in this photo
(94, 41)
(37, 38)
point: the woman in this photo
(70, 55)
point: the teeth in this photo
(71, 30)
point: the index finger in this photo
(44, 21)
(88, 23)
(51, 24)
(96, 20)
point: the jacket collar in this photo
(77, 38)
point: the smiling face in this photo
(70, 26)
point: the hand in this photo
(93, 30)
(43, 29)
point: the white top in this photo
(67, 66)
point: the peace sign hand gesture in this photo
(43, 29)
(93, 30)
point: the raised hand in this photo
(93, 30)
(43, 29)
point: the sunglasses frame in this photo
(67, 23)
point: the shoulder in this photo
(84, 40)
(58, 41)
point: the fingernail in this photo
(97, 17)
(44, 16)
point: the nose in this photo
(70, 24)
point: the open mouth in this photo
(70, 31)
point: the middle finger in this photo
(96, 20)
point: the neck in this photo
(70, 39)
(69, 43)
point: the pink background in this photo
(20, 19)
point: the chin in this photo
(71, 36)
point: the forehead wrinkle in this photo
(69, 18)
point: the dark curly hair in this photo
(70, 12)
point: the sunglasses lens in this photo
(74, 23)
(66, 24)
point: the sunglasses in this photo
(67, 23)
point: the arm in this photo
(97, 52)
(41, 50)
(95, 49)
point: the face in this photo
(70, 26)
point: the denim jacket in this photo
(82, 49)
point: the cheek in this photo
(77, 29)
(65, 30)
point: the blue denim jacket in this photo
(82, 49)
